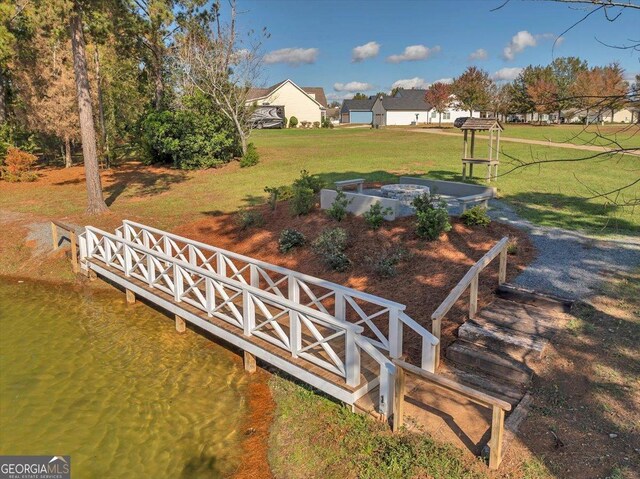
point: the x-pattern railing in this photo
(383, 320)
(302, 331)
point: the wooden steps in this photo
(467, 376)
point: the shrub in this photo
(512, 246)
(375, 216)
(385, 264)
(476, 216)
(293, 122)
(308, 181)
(326, 123)
(302, 201)
(251, 157)
(249, 218)
(285, 192)
(432, 217)
(18, 165)
(290, 239)
(330, 245)
(338, 209)
(316, 124)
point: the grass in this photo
(552, 194)
(313, 437)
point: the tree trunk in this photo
(440, 120)
(559, 114)
(103, 127)
(68, 162)
(95, 200)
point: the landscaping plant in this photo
(18, 166)
(476, 216)
(302, 201)
(338, 209)
(308, 181)
(432, 217)
(375, 216)
(251, 157)
(249, 218)
(293, 122)
(290, 239)
(330, 245)
(385, 264)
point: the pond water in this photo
(115, 387)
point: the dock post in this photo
(181, 325)
(131, 296)
(249, 362)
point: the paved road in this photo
(570, 146)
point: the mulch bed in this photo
(423, 279)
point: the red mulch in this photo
(423, 281)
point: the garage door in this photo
(360, 117)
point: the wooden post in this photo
(497, 432)
(181, 325)
(473, 299)
(398, 403)
(473, 143)
(395, 334)
(74, 251)
(464, 170)
(249, 362)
(502, 274)
(490, 143)
(464, 154)
(131, 296)
(54, 235)
(436, 327)
(352, 359)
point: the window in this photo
(434, 114)
(446, 115)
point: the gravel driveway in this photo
(569, 264)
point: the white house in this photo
(406, 107)
(305, 103)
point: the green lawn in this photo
(551, 194)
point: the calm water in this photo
(115, 387)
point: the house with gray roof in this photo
(406, 107)
(357, 111)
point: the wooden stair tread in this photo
(522, 318)
(491, 362)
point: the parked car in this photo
(268, 117)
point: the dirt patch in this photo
(423, 280)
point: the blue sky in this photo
(312, 41)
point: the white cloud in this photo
(413, 53)
(411, 83)
(339, 96)
(479, 54)
(292, 56)
(352, 86)
(444, 80)
(524, 39)
(368, 50)
(507, 74)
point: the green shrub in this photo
(251, 157)
(512, 246)
(330, 245)
(308, 181)
(293, 122)
(375, 216)
(302, 201)
(195, 136)
(385, 264)
(326, 123)
(290, 239)
(249, 219)
(285, 192)
(432, 217)
(338, 209)
(316, 124)
(476, 216)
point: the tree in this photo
(439, 96)
(95, 199)
(471, 89)
(565, 72)
(360, 96)
(543, 90)
(500, 101)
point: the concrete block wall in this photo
(360, 203)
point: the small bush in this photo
(338, 209)
(302, 201)
(326, 123)
(476, 216)
(432, 217)
(285, 192)
(308, 181)
(18, 166)
(246, 219)
(251, 157)
(293, 122)
(290, 239)
(385, 264)
(375, 216)
(330, 245)
(316, 124)
(512, 246)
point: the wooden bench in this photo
(358, 182)
(465, 201)
(480, 161)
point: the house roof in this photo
(412, 100)
(333, 112)
(315, 93)
(357, 105)
(480, 124)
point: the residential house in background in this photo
(357, 111)
(305, 103)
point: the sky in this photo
(370, 46)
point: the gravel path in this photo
(569, 264)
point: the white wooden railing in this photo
(383, 320)
(304, 332)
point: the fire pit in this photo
(403, 192)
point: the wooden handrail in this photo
(73, 238)
(470, 279)
(498, 405)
